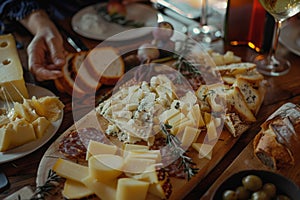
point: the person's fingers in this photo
(56, 49)
(41, 73)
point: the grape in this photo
(242, 193)
(147, 52)
(163, 31)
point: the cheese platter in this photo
(155, 110)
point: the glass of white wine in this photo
(203, 32)
(281, 10)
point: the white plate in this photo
(28, 148)
(290, 36)
(104, 30)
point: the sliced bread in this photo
(105, 64)
(83, 77)
(66, 81)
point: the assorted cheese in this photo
(135, 115)
(27, 121)
(12, 84)
(109, 176)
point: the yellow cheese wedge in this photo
(205, 150)
(145, 154)
(137, 165)
(105, 191)
(11, 71)
(105, 167)
(5, 137)
(16, 133)
(150, 175)
(40, 126)
(97, 148)
(25, 112)
(129, 188)
(75, 190)
(176, 118)
(24, 132)
(189, 136)
(133, 147)
(168, 114)
(70, 170)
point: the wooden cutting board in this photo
(246, 160)
(181, 187)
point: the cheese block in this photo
(105, 191)
(129, 188)
(97, 148)
(70, 170)
(11, 72)
(16, 133)
(205, 150)
(105, 167)
(75, 190)
(40, 126)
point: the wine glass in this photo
(281, 10)
(203, 32)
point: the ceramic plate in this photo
(88, 23)
(290, 37)
(27, 148)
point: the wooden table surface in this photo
(23, 171)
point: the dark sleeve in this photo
(17, 9)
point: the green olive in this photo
(242, 193)
(270, 189)
(252, 182)
(282, 197)
(229, 195)
(260, 195)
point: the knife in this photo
(73, 40)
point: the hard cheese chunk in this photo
(15, 134)
(11, 72)
(129, 188)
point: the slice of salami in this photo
(74, 144)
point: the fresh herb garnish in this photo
(51, 183)
(118, 19)
(177, 150)
(183, 63)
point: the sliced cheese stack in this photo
(12, 83)
(107, 175)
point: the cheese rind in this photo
(11, 71)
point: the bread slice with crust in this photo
(235, 68)
(106, 63)
(83, 77)
(66, 81)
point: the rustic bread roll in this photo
(277, 144)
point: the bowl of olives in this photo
(257, 184)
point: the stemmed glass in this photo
(203, 32)
(281, 10)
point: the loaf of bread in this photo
(277, 144)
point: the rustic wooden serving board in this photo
(246, 160)
(181, 187)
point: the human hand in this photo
(46, 55)
(46, 51)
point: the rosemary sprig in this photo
(183, 64)
(118, 19)
(45, 190)
(175, 145)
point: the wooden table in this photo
(23, 171)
